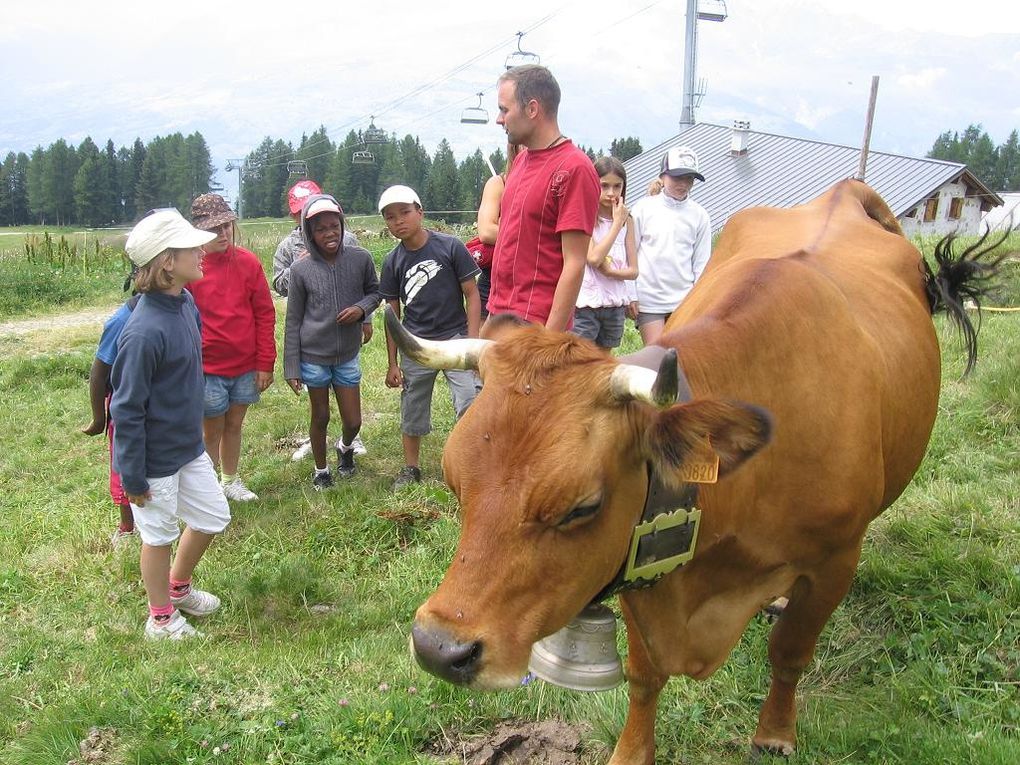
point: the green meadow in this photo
(308, 662)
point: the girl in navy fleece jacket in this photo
(157, 404)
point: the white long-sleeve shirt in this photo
(674, 242)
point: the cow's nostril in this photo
(441, 654)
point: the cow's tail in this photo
(957, 279)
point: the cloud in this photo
(925, 79)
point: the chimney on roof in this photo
(738, 140)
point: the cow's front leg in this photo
(791, 648)
(636, 745)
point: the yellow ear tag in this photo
(702, 466)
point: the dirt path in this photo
(77, 319)
(86, 317)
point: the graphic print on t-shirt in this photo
(418, 276)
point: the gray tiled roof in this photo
(780, 171)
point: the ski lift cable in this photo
(421, 88)
(453, 104)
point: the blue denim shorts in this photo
(221, 392)
(346, 375)
(603, 326)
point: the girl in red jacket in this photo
(238, 340)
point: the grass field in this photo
(307, 662)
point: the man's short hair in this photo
(534, 82)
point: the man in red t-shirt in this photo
(548, 209)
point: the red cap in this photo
(300, 192)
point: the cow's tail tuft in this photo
(958, 279)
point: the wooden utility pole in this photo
(863, 165)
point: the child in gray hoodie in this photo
(330, 293)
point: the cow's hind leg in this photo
(636, 745)
(792, 646)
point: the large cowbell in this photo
(582, 656)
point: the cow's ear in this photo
(687, 439)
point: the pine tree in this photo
(1008, 165)
(471, 177)
(153, 190)
(90, 186)
(60, 167)
(19, 189)
(6, 197)
(625, 148)
(36, 195)
(441, 186)
(317, 151)
(416, 163)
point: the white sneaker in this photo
(175, 629)
(357, 443)
(302, 451)
(197, 602)
(238, 492)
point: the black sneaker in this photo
(346, 467)
(322, 480)
(407, 475)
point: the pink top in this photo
(597, 289)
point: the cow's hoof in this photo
(770, 746)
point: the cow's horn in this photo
(435, 354)
(658, 388)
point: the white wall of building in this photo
(967, 209)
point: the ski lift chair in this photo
(475, 115)
(712, 10)
(374, 134)
(297, 167)
(362, 158)
(521, 57)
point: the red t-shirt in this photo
(548, 191)
(238, 317)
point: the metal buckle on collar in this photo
(673, 535)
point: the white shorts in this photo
(192, 495)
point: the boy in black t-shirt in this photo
(431, 276)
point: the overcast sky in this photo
(239, 71)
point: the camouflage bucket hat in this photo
(210, 211)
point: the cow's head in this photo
(550, 467)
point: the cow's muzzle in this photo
(439, 653)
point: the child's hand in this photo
(263, 380)
(394, 377)
(295, 385)
(350, 315)
(620, 211)
(366, 333)
(94, 428)
(139, 499)
(632, 310)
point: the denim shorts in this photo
(222, 392)
(603, 326)
(345, 375)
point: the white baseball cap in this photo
(322, 204)
(402, 194)
(161, 230)
(680, 160)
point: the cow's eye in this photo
(581, 512)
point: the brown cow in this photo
(821, 316)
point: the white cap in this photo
(401, 194)
(680, 160)
(161, 230)
(321, 205)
